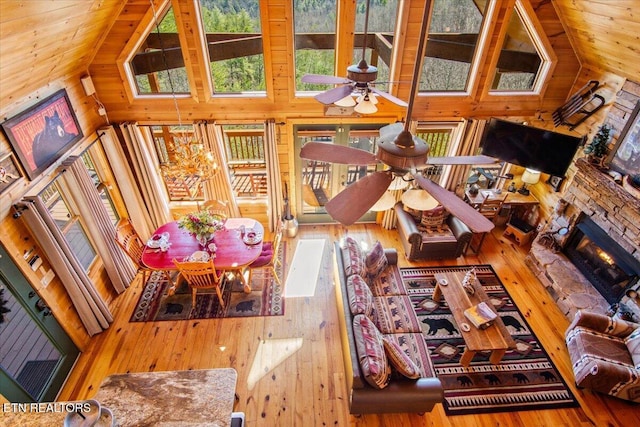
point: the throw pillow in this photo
(433, 217)
(375, 262)
(633, 344)
(370, 350)
(400, 360)
(352, 258)
(360, 296)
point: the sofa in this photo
(605, 354)
(387, 363)
(445, 241)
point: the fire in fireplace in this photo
(609, 268)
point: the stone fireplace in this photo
(596, 200)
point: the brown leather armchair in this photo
(605, 353)
(419, 245)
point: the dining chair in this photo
(217, 207)
(129, 240)
(491, 207)
(201, 275)
(269, 256)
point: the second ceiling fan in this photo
(402, 153)
(360, 80)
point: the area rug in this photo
(265, 299)
(525, 379)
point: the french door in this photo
(36, 354)
(321, 181)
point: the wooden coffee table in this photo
(496, 338)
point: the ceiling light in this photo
(366, 106)
(419, 200)
(347, 101)
(386, 202)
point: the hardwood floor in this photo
(290, 370)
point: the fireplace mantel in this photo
(593, 193)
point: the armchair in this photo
(605, 354)
(419, 245)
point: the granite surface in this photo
(169, 398)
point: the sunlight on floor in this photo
(270, 354)
(305, 267)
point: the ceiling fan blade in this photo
(477, 222)
(335, 94)
(324, 79)
(389, 97)
(462, 160)
(388, 133)
(331, 153)
(350, 204)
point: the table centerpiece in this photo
(202, 225)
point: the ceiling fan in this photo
(402, 153)
(360, 79)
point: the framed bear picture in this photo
(42, 134)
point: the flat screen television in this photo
(540, 149)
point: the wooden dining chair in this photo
(269, 256)
(201, 275)
(217, 207)
(129, 240)
(491, 207)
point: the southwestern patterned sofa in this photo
(605, 353)
(387, 363)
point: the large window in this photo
(315, 38)
(158, 64)
(234, 45)
(525, 57)
(454, 41)
(68, 221)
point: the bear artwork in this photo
(52, 139)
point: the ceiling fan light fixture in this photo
(419, 199)
(384, 203)
(347, 101)
(366, 106)
(404, 139)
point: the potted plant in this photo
(290, 223)
(597, 149)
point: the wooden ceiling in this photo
(42, 41)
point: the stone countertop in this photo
(170, 398)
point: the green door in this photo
(36, 354)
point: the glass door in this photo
(36, 354)
(321, 181)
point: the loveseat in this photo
(445, 241)
(605, 354)
(378, 325)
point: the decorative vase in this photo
(204, 239)
(290, 227)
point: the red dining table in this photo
(232, 253)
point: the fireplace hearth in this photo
(609, 268)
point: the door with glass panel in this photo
(36, 354)
(320, 181)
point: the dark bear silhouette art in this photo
(435, 324)
(245, 305)
(464, 380)
(548, 376)
(493, 379)
(520, 378)
(173, 308)
(513, 322)
(51, 140)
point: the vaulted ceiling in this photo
(54, 39)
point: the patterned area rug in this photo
(525, 379)
(265, 299)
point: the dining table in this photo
(232, 250)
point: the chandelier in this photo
(189, 158)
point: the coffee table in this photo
(495, 338)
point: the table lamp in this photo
(529, 177)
